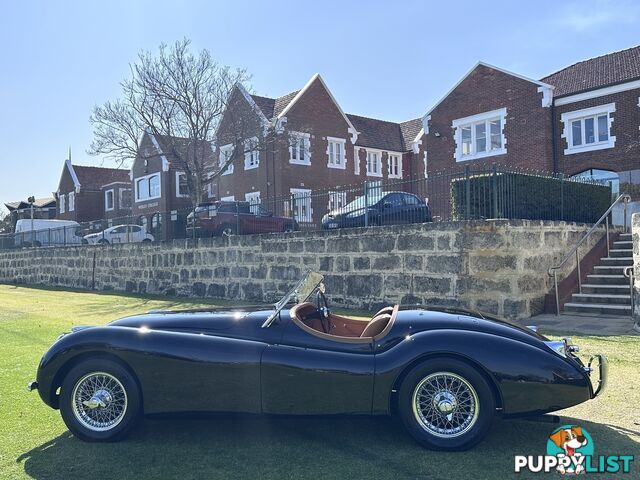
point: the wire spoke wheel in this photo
(99, 401)
(445, 404)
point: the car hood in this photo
(198, 320)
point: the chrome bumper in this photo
(599, 362)
(31, 386)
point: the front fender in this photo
(528, 378)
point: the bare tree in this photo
(176, 95)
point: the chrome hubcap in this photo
(445, 404)
(99, 401)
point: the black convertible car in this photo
(445, 373)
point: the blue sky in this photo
(382, 59)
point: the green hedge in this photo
(526, 196)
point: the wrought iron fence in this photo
(470, 193)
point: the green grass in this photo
(34, 442)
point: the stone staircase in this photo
(606, 290)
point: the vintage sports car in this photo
(444, 373)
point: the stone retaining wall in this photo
(494, 266)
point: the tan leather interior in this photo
(344, 328)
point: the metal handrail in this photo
(553, 271)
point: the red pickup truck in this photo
(230, 218)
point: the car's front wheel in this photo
(446, 404)
(100, 401)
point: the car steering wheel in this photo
(324, 311)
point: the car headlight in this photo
(558, 346)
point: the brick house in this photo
(117, 202)
(305, 142)
(583, 119)
(160, 198)
(80, 195)
(43, 208)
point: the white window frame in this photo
(305, 193)
(378, 161)
(223, 157)
(61, 201)
(137, 180)
(568, 118)
(425, 161)
(472, 121)
(120, 192)
(113, 200)
(72, 201)
(251, 154)
(178, 194)
(229, 198)
(398, 155)
(254, 199)
(336, 200)
(306, 141)
(331, 156)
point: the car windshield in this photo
(300, 293)
(359, 203)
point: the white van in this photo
(38, 233)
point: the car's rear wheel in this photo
(146, 240)
(227, 229)
(446, 404)
(103, 241)
(100, 401)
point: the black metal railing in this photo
(469, 193)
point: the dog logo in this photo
(571, 444)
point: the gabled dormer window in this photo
(335, 152)
(225, 154)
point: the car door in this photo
(414, 209)
(305, 374)
(115, 235)
(391, 209)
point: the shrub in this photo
(518, 195)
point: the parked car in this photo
(119, 234)
(39, 232)
(446, 373)
(383, 208)
(229, 218)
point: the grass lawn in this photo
(34, 442)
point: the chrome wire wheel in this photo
(99, 401)
(445, 404)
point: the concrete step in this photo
(601, 298)
(599, 308)
(610, 269)
(607, 279)
(624, 244)
(612, 261)
(621, 252)
(625, 237)
(605, 289)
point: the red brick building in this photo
(80, 195)
(303, 142)
(583, 119)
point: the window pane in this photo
(576, 132)
(481, 137)
(154, 186)
(338, 154)
(466, 140)
(589, 130)
(603, 128)
(495, 127)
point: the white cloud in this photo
(582, 16)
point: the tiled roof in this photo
(377, 133)
(272, 107)
(93, 178)
(410, 130)
(184, 149)
(39, 203)
(610, 69)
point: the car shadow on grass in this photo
(189, 447)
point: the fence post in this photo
(467, 193)
(193, 224)
(49, 243)
(494, 189)
(366, 203)
(64, 236)
(562, 196)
